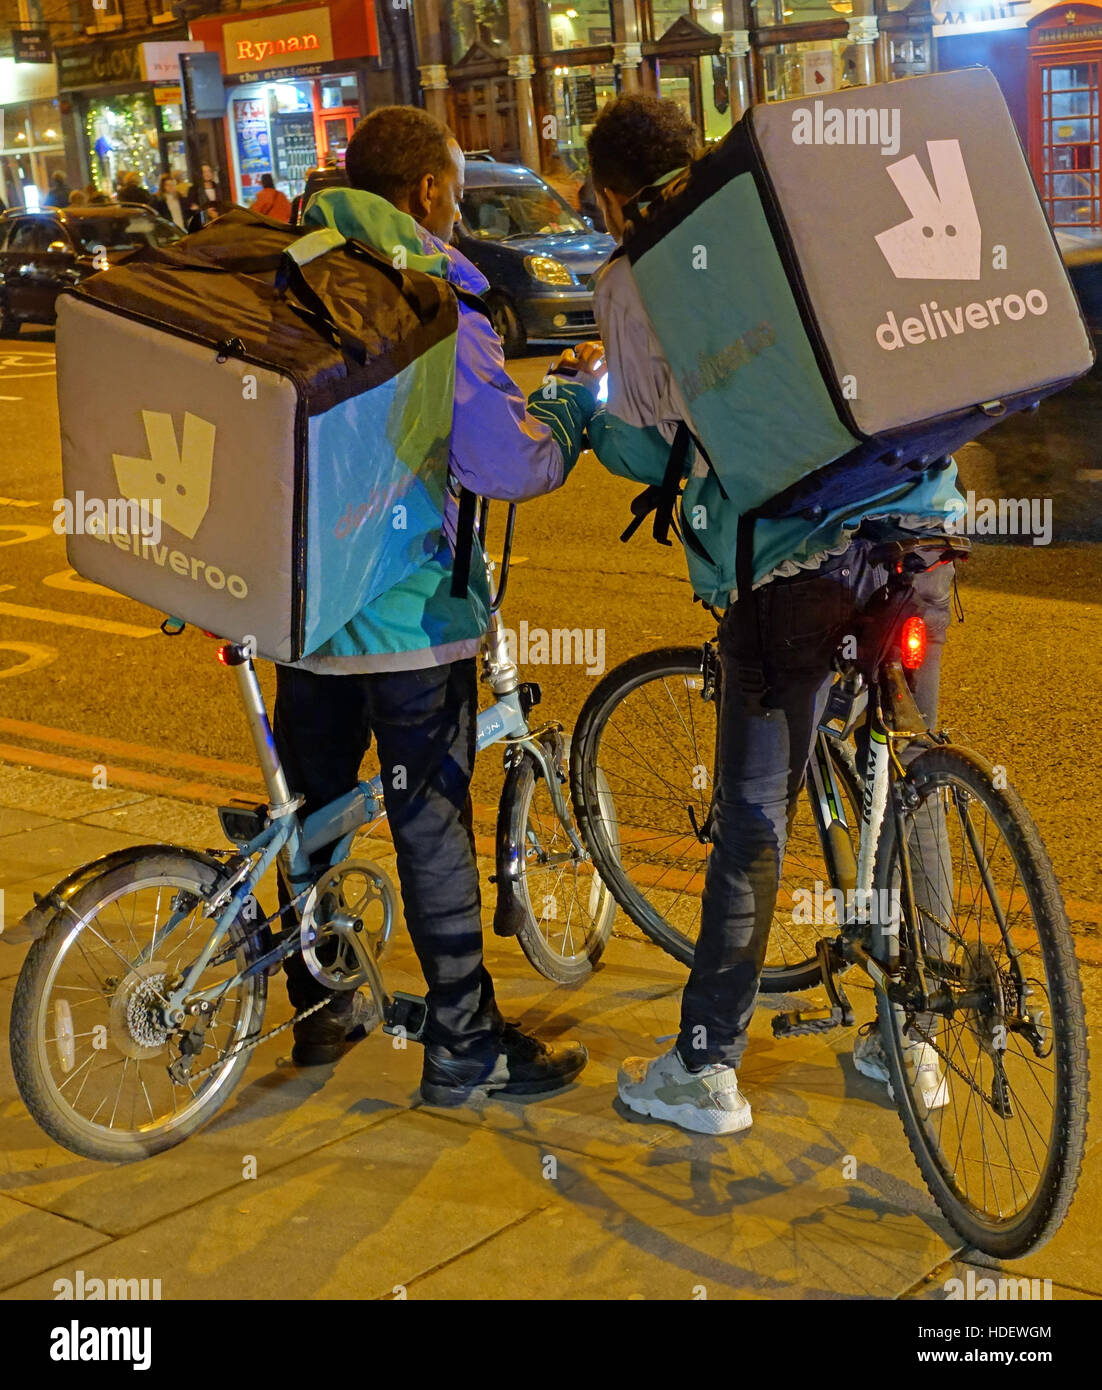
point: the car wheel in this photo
(507, 326)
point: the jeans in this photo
(762, 751)
(424, 727)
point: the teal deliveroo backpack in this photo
(282, 398)
(848, 288)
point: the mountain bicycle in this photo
(144, 989)
(951, 908)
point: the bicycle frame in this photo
(293, 841)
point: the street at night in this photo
(550, 651)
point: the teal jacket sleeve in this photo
(638, 452)
(565, 407)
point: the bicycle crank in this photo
(347, 920)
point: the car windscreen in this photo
(500, 213)
(123, 231)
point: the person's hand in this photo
(587, 362)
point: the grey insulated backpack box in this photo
(281, 400)
(849, 287)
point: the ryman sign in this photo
(278, 41)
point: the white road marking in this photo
(11, 398)
(16, 501)
(1089, 475)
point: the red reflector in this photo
(222, 655)
(913, 646)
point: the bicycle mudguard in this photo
(34, 922)
(511, 910)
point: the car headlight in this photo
(549, 271)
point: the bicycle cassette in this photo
(347, 920)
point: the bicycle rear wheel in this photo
(641, 768)
(1000, 1139)
(90, 1053)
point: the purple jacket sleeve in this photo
(498, 449)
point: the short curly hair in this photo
(636, 139)
(393, 148)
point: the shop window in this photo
(707, 13)
(769, 12)
(31, 150)
(579, 23)
(122, 135)
(579, 94)
(339, 91)
(477, 21)
(802, 69)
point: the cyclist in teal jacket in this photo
(809, 580)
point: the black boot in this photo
(521, 1066)
(321, 1039)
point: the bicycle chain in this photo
(246, 1044)
(954, 1068)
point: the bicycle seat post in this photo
(256, 715)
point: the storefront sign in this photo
(98, 65)
(255, 45)
(31, 46)
(290, 38)
(160, 62)
(167, 96)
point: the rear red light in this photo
(913, 643)
(222, 655)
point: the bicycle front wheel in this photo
(641, 769)
(568, 910)
(993, 1096)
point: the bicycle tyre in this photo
(637, 671)
(557, 965)
(948, 767)
(164, 867)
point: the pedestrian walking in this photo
(270, 202)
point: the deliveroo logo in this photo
(941, 238)
(177, 475)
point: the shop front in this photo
(297, 81)
(491, 62)
(32, 140)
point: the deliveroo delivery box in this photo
(255, 427)
(863, 279)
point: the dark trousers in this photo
(423, 723)
(761, 758)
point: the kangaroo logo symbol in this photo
(177, 475)
(941, 239)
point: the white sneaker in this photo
(923, 1065)
(706, 1101)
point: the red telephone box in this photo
(1065, 73)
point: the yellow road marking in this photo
(30, 533)
(16, 501)
(51, 615)
(67, 580)
(36, 654)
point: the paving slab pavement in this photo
(339, 1183)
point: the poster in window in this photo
(254, 152)
(818, 70)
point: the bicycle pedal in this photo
(829, 957)
(797, 1022)
(407, 1013)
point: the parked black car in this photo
(537, 253)
(43, 253)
